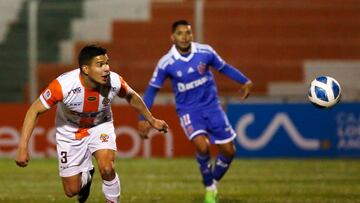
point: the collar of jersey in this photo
(84, 86)
(177, 55)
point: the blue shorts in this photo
(211, 122)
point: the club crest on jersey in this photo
(47, 94)
(201, 68)
(104, 137)
(91, 98)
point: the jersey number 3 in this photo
(63, 157)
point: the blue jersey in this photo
(192, 81)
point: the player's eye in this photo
(100, 64)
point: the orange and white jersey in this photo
(79, 109)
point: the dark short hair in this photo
(89, 52)
(179, 22)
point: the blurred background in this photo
(287, 149)
(281, 45)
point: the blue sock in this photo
(222, 164)
(205, 169)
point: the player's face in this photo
(182, 38)
(98, 70)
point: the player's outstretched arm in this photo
(143, 125)
(135, 101)
(22, 157)
(239, 77)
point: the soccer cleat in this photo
(85, 191)
(210, 196)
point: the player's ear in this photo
(172, 38)
(85, 69)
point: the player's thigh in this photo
(105, 159)
(103, 146)
(102, 137)
(220, 128)
(73, 157)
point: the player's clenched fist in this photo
(159, 125)
(144, 127)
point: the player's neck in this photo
(183, 51)
(88, 83)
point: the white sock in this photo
(85, 178)
(212, 187)
(111, 190)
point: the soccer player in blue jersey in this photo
(188, 64)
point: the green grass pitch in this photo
(178, 181)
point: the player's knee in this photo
(71, 191)
(107, 172)
(70, 194)
(203, 150)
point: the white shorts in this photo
(75, 156)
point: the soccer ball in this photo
(324, 92)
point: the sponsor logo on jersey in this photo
(201, 68)
(104, 137)
(47, 94)
(87, 114)
(75, 104)
(182, 87)
(75, 90)
(91, 98)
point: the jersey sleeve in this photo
(123, 88)
(52, 94)
(216, 61)
(158, 77)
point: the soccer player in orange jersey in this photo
(84, 123)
